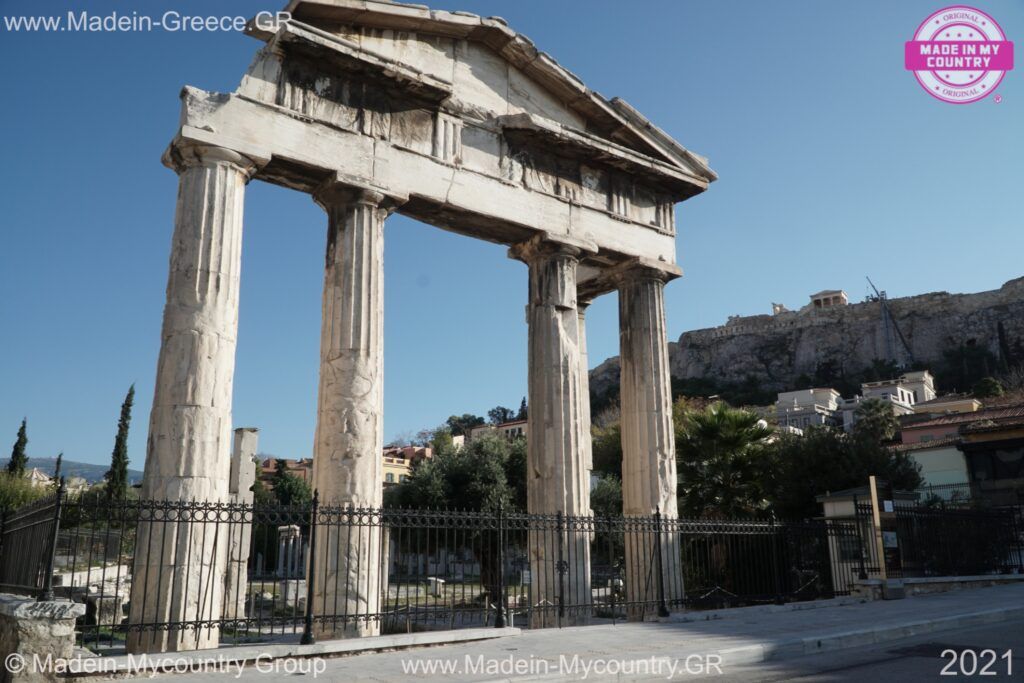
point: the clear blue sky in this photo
(834, 165)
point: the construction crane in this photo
(891, 329)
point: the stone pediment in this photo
(349, 55)
(482, 70)
(459, 117)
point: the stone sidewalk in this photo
(671, 650)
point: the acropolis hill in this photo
(776, 350)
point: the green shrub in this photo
(16, 491)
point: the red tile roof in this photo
(925, 445)
(987, 414)
(992, 426)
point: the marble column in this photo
(558, 475)
(179, 570)
(648, 438)
(347, 455)
(240, 495)
(588, 451)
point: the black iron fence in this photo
(198, 573)
(28, 537)
(727, 563)
(987, 494)
(942, 539)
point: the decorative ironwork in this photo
(444, 569)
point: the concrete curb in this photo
(759, 653)
(741, 612)
(124, 664)
(845, 640)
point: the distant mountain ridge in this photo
(70, 468)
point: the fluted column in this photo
(347, 455)
(558, 476)
(588, 450)
(648, 438)
(243, 476)
(180, 568)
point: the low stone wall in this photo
(871, 589)
(31, 629)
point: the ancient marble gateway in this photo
(457, 121)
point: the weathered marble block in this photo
(34, 631)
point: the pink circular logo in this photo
(959, 54)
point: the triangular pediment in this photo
(480, 65)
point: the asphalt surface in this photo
(904, 661)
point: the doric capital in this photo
(545, 245)
(184, 154)
(597, 281)
(340, 191)
(644, 269)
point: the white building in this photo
(38, 479)
(848, 410)
(829, 298)
(902, 394)
(807, 407)
(823, 406)
(910, 388)
(510, 430)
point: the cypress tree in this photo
(19, 460)
(117, 475)
(522, 410)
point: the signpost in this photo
(887, 547)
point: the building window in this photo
(402, 478)
(389, 478)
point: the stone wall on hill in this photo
(781, 351)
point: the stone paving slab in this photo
(748, 636)
(241, 654)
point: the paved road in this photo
(913, 632)
(906, 661)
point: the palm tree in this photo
(721, 461)
(876, 420)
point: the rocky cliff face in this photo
(780, 351)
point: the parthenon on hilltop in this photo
(460, 122)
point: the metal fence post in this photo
(779, 600)
(47, 592)
(3, 528)
(1018, 515)
(613, 568)
(561, 566)
(862, 573)
(307, 631)
(658, 531)
(1018, 544)
(499, 614)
